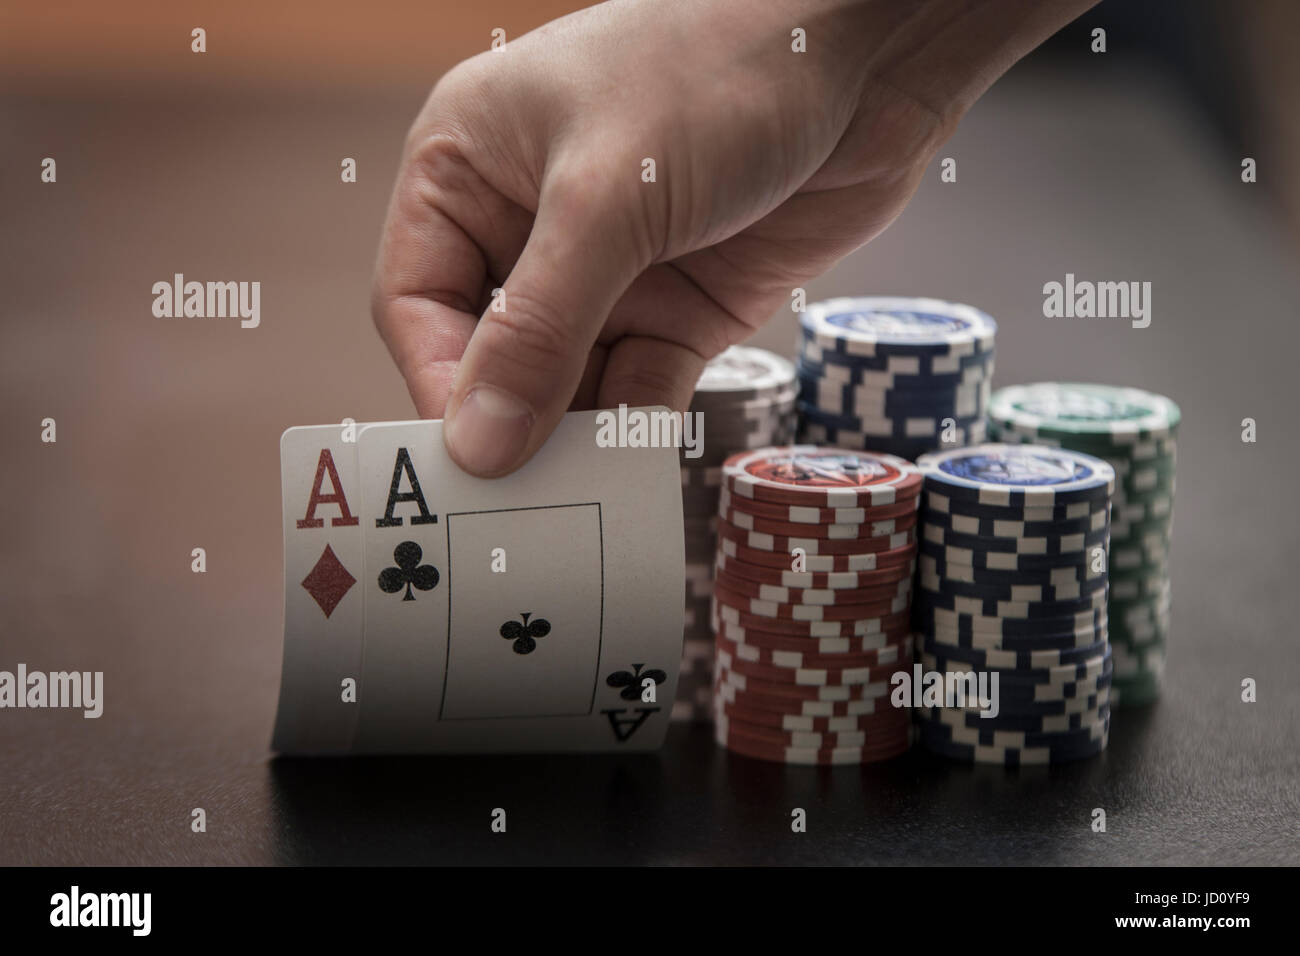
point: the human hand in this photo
(524, 171)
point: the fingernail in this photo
(489, 431)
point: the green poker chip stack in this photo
(1136, 432)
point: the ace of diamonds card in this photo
(536, 612)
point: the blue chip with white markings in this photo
(1025, 475)
(898, 326)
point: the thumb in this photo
(526, 357)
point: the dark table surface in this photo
(167, 440)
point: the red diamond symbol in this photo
(328, 581)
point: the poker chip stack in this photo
(1136, 432)
(898, 375)
(1009, 585)
(806, 640)
(746, 399)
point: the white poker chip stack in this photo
(745, 399)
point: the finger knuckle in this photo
(534, 332)
(657, 384)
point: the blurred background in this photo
(1121, 166)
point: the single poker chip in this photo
(916, 436)
(810, 545)
(1010, 659)
(864, 707)
(853, 646)
(937, 503)
(856, 404)
(891, 373)
(928, 564)
(827, 580)
(1025, 475)
(1133, 664)
(1043, 697)
(1010, 757)
(990, 641)
(960, 621)
(1023, 715)
(1065, 728)
(870, 739)
(895, 326)
(867, 729)
(783, 690)
(701, 590)
(1134, 613)
(856, 627)
(1050, 681)
(1091, 720)
(958, 732)
(1026, 711)
(798, 723)
(821, 477)
(1142, 632)
(1159, 530)
(960, 729)
(829, 532)
(902, 587)
(776, 610)
(813, 515)
(819, 564)
(741, 371)
(836, 384)
(1139, 663)
(892, 653)
(1141, 646)
(843, 408)
(1131, 448)
(1006, 608)
(909, 448)
(891, 369)
(979, 558)
(735, 413)
(745, 746)
(992, 528)
(1035, 618)
(1138, 588)
(1068, 410)
(1064, 544)
(1136, 634)
(806, 676)
(898, 423)
(1137, 559)
(935, 583)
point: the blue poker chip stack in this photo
(904, 376)
(1012, 585)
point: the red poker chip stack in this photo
(811, 604)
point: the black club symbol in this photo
(409, 572)
(630, 681)
(525, 635)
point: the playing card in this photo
(525, 613)
(320, 492)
